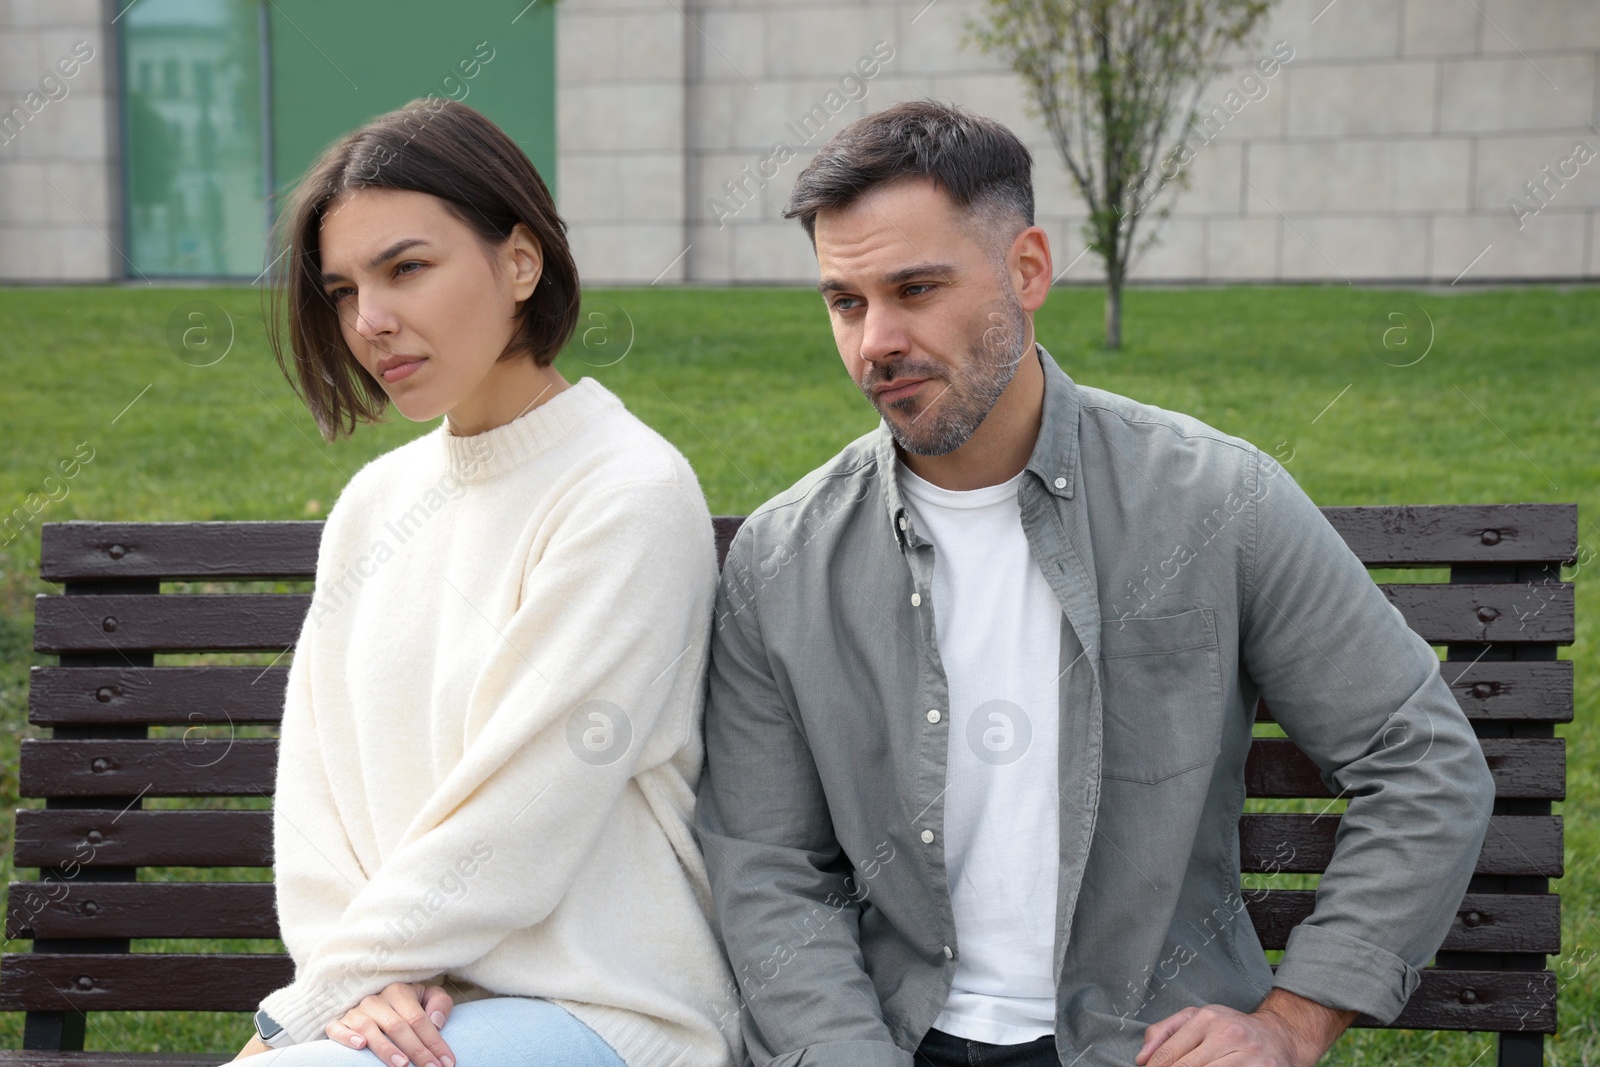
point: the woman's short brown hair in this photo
(451, 151)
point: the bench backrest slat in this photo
(178, 696)
(1269, 842)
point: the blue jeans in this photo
(495, 1032)
(939, 1049)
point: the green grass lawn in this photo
(1505, 406)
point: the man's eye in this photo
(844, 303)
(919, 285)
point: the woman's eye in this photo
(337, 295)
(401, 269)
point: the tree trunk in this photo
(1114, 313)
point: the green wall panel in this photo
(338, 63)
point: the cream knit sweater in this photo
(492, 735)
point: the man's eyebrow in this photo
(378, 260)
(937, 271)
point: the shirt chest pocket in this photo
(1161, 691)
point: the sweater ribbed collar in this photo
(486, 455)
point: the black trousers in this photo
(940, 1049)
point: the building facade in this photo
(1394, 141)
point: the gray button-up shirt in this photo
(1194, 576)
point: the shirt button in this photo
(1061, 483)
(902, 522)
(948, 954)
(933, 716)
(927, 837)
(916, 600)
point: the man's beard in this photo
(954, 413)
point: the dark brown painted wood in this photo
(194, 766)
(723, 527)
(1485, 922)
(1533, 690)
(1494, 612)
(140, 981)
(1497, 690)
(1501, 612)
(73, 909)
(1442, 534)
(62, 696)
(91, 837)
(1522, 1001)
(1523, 767)
(1381, 536)
(186, 696)
(1303, 844)
(1444, 1000)
(1515, 845)
(234, 551)
(223, 622)
(1527, 768)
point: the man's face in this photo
(924, 311)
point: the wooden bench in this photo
(1501, 616)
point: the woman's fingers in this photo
(405, 1000)
(437, 1004)
(394, 1025)
(341, 1031)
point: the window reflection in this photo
(194, 150)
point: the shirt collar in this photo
(1053, 461)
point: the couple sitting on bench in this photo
(947, 766)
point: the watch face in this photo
(266, 1027)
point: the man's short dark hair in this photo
(981, 164)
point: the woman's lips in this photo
(402, 371)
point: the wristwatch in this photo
(270, 1032)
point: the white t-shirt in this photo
(998, 628)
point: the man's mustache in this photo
(880, 374)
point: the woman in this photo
(491, 735)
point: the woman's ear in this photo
(527, 261)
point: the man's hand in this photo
(400, 1024)
(253, 1046)
(1285, 1030)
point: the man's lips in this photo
(897, 389)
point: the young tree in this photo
(1108, 77)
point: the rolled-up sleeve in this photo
(1361, 694)
(782, 885)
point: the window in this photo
(195, 161)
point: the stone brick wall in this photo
(59, 173)
(1388, 148)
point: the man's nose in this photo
(883, 335)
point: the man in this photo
(982, 686)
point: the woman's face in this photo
(423, 306)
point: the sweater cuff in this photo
(1345, 973)
(304, 1010)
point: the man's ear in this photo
(526, 260)
(1030, 267)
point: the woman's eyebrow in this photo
(378, 260)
